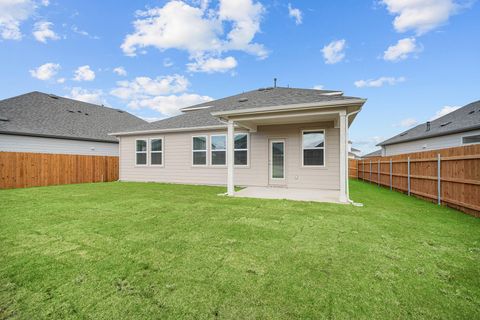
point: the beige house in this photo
(294, 139)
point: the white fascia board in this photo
(127, 133)
(291, 107)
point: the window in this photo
(156, 151)
(241, 149)
(141, 152)
(313, 148)
(471, 139)
(199, 150)
(218, 153)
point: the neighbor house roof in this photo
(200, 115)
(466, 118)
(376, 153)
(41, 114)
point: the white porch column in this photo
(343, 157)
(230, 158)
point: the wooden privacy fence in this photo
(448, 176)
(352, 168)
(22, 169)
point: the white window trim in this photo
(137, 152)
(247, 149)
(206, 151)
(150, 151)
(324, 148)
(212, 150)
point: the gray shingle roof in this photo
(464, 119)
(376, 153)
(252, 99)
(41, 114)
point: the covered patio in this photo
(297, 194)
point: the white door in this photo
(276, 162)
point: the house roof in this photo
(41, 114)
(464, 119)
(376, 153)
(200, 115)
(355, 150)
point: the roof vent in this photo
(120, 111)
(402, 134)
(71, 111)
(243, 100)
(472, 112)
(445, 124)
(3, 119)
(86, 114)
(53, 96)
(79, 111)
(269, 88)
(428, 126)
(262, 89)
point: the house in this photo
(376, 153)
(44, 123)
(353, 153)
(270, 137)
(458, 128)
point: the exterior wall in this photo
(178, 159)
(442, 142)
(14, 143)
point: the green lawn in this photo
(144, 250)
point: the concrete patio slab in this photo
(298, 194)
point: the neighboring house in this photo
(280, 137)
(44, 123)
(376, 153)
(458, 128)
(353, 153)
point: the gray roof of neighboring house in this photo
(464, 119)
(41, 114)
(264, 97)
(376, 153)
(355, 150)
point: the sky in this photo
(412, 60)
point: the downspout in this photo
(347, 184)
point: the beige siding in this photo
(442, 142)
(178, 164)
(15, 143)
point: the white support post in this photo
(230, 158)
(343, 158)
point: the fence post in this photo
(408, 174)
(370, 171)
(439, 183)
(391, 182)
(378, 169)
(363, 170)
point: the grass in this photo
(144, 250)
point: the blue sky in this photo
(411, 59)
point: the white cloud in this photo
(319, 87)
(145, 86)
(83, 33)
(169, 105)
(334, 51)
(420, 16)
(376, 83)
(61, 80)
(212, 65)
(164, 94)
(407, 123)
(90, 96)
(84, 73)
(198, 30)
(12, 14)
(401, 50)
(42, 31)
(445, 110)
(120, 71)
(368, 144)
(45, 71)
(295, 13)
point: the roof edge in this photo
(446, 133)
(297, 106)
(131, 133)
(39, 135)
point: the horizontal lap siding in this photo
(178, 164)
